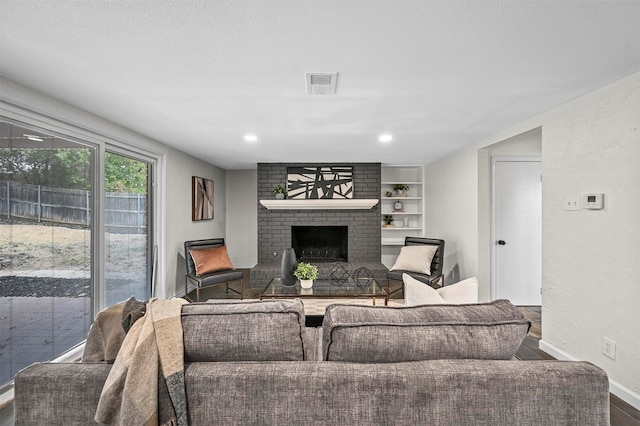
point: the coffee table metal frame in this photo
(326, 289)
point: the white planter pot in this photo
(306, 283)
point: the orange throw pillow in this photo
(210, 260)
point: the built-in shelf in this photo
(412, 212)
(392, 242)
(321, 204)
(401, 213)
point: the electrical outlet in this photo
(608, 347)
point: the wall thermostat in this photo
(593, 201)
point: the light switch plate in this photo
(572, 202)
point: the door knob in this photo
(501, 242)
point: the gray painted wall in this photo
(242, 217)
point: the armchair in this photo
(222, 273)
(434, 279)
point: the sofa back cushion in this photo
(244, 331)
(372, 334)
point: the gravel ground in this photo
(13, 286)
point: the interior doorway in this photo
(517, 230)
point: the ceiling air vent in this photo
(321, 83)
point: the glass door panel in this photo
(127, 243)
(46, 283)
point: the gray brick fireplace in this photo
(274, 226)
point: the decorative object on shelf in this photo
(398, 206)
(388, 219)
(400, 189)
(279, 192)
(363, 277)
(405, 222)
(339, 273)
(306, 273)
(320, 182)
(201, 198)
(287, 267)
(388, 194)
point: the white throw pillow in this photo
(419, 293)
(415, 259)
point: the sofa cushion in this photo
(270, 330)
(370, 334)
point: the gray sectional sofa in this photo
(255, 363)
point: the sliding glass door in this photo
(64, 222)
(46, 195)
(128, 256)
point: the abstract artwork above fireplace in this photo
(320, 182)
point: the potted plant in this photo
(306, 273)
(388, 219)
(400, 189)
(279, 192)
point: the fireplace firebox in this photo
(320, 243)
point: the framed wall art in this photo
(320, 182)
(202, 198)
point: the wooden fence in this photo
(126, 213)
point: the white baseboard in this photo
(622, 392)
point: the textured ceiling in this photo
(198, 75)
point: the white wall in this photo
(176, 168)
(179, 226)
(451, 195)
(591, 263)
(591, 259)
(242, 217)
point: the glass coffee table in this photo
(327, 289)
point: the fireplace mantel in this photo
(320, 204)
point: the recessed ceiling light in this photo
(33, 138)
(251, 138)
(385, 137)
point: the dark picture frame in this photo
(202, 198)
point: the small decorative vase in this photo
(306, 283)
(287, 267)
(280, 196)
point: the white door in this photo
(517, 230)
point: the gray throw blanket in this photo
(146, 383)
(109, 329)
